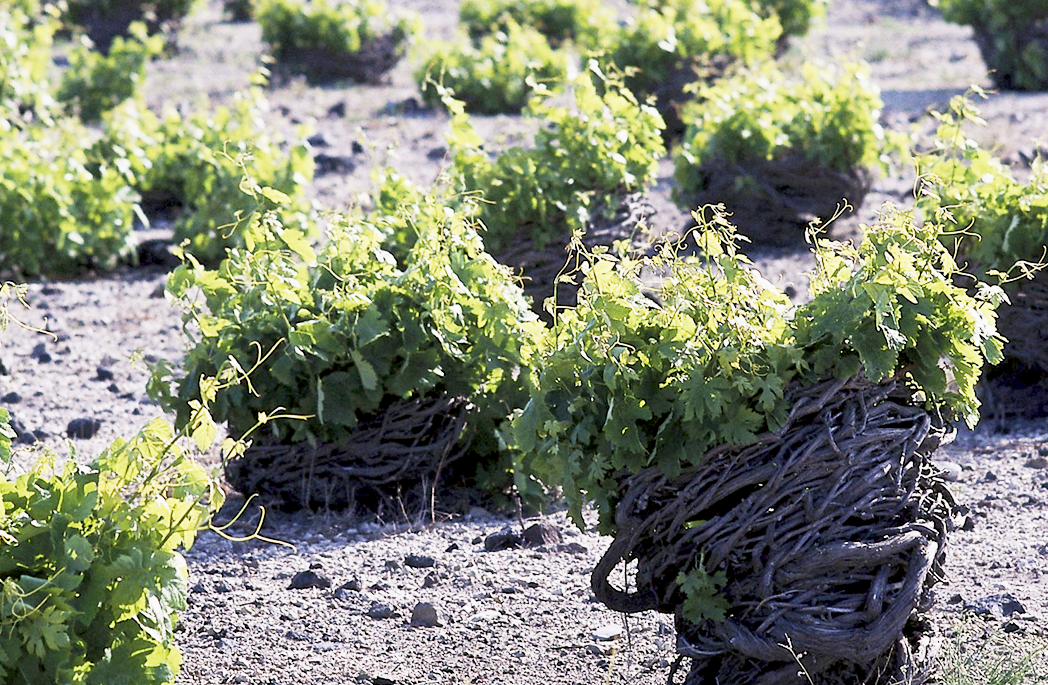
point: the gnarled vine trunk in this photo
(830, 532)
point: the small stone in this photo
(1037, 463)
(104, 374)
(11, 398)
(542, 534)
(383, 680)
(356, 148)
(424, 615)
(496, 542)
(380, 611)
(343, 590)
(452, 547)
(318, 140)
(612, 631)
(572, 548)
(337, 110)
(40, 353)
(113, 388)
(1013, 627)
(83, 429)
(406, 107)
(419, 561)
(955, 599)
(951, 471)
(333, 164)
(430, 580)
(998, 606)
(308, 579)
(990, 477)
(296, 636)
(485, 616)
(437, 154)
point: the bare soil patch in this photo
(519, 615)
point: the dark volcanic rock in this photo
(379, 611)
(424, 615)
(308, 579)
(83, 429)
(419, 561)
(542, 534)
(496, 542)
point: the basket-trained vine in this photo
(781, 151)
(95, 83)
(104, 20)
(351, 337)
(1012, 37)
(66, 207)
(604, 143)
(583, 22)
(355, 39)
(1002, 221)
(495, 74)
(795, 16)
(589, 161)
(27, 34)
(705, 425)
(91, 580)
(196, 163)
(624, 383)
(1001, 231)
(668, 45)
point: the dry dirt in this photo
(520, 615)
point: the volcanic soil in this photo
(337, 603)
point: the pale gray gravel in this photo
(520, 616)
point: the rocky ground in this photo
(398, 600)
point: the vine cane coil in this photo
(408, 443)
(999, 48)
(831, 531)
(541, 267)
(371, 64)
(784, 195)
(1018, 387)
(1025, 322)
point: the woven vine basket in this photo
(678, 90)
(540, 268)
(1005, 54)
(1025, 322)
(1019, 385)
(830, 533)
(778, 198)
(408, 445)
(103, 22)
(370, 64)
